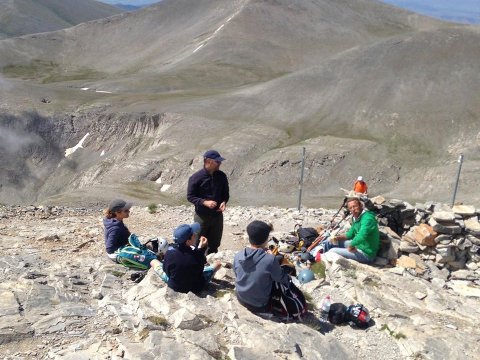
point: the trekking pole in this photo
(339, 209)
(300, 186)
(320, 238)
(460, 161)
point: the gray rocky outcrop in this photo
(60, 298)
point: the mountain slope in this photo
(21, 17)
(225, 43)
(366, 88)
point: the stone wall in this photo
(431, 240)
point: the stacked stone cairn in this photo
(432, 240)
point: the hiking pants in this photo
(212, 229)
(357, 255)
(208, 273)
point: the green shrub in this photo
(318, 269)
(152, 208)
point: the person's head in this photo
(212, 160)
(186, 234)
(360, 178)
(118, 209)
(355, 207)
(258, 232)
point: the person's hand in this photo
(352, 249)
(334, 240)
(211, 204)
(222, 207)
(217, 265)
(202, 242)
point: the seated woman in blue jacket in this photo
(122, 246)
(116, 233)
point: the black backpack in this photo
(305, 234)
(337, 314)
(287, 301)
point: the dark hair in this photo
(108, 214)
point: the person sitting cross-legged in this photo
(184, 264)
(362, 241)
(256, 270)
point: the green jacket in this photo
(364, 234)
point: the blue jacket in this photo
(116, 235)
(255, 272)
(184, 268)
(203, 186)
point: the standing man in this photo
(208, 191)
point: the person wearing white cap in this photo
(360, 186)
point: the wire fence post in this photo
(460, 161)
(300, 185)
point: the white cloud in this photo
(5, 84)
(12, 141)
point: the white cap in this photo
(360, 178)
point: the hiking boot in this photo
(137, 276)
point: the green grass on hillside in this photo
(32, 71)
(49, 72)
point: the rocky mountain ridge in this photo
(62, 299)
(21, 17)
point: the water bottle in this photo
(327, 301)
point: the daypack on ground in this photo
(307, 235)
(337, 313)
(358, 316)
(287, 301)
(135, 255)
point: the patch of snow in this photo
(103, 153)
(204, 42)
(165, 187)
(71, 150)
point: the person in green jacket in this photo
(362, 240)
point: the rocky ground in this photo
(62, 299)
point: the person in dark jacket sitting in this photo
(116, 233)
(184, 264)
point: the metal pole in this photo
(300, 186)
(460, 161)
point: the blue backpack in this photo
(135, 255)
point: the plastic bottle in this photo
(326, 302)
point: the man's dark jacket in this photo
(203, 186)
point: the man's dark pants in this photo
(212, 229)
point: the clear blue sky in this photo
(130, 2)
(467, 11)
